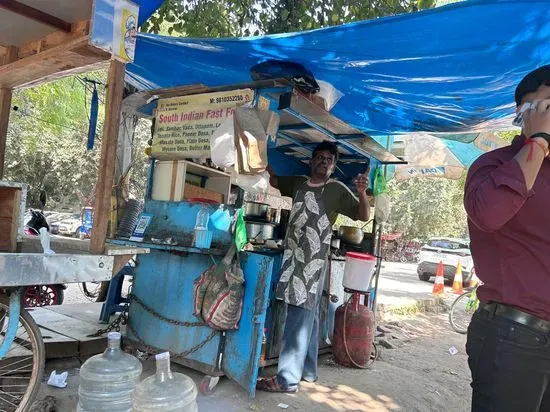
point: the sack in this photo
(222, 144)
(258, 184)
(250, 140)
(382, 207)
(218, 294)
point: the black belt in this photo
(515, 315)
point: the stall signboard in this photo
(184, 125)
(114, 28)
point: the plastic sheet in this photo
(449, 69)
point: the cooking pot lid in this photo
(360, 256)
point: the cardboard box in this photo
(194, 192)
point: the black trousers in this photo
(510, 365)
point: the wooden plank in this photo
(57, 345)
(109, 142)
(86, 312)
(72, 328)
(78, 29)
(35, 14)
(5, 109)
(74, 56)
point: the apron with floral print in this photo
(307, 245)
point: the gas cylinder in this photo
(353, 334)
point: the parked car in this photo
(450, 252)
(54, 219)
(70, 226)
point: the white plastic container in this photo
(358, 271)
(165, 391)
(108, 380)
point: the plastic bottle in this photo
(165, 391)
(202, 236)
(108, 380)
(202, 219)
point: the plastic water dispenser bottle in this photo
(165, 391)
(108, 380)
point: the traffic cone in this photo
(457, 282)
(439, 285)
(474, 280)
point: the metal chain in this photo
(134, 298)
(153, 350)
(122, 319)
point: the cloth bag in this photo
(219, 292)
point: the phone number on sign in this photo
(228, 99)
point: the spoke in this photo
(5, 400)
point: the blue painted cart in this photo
(161, 303)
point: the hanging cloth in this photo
(94, 105)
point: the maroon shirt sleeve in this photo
(495, 191)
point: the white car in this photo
(450, 252)
(70, 226)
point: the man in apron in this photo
(317, 201)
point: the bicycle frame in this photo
(13, 322)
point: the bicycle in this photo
(22, 353)
(462, 310)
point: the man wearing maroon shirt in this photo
(507, 198)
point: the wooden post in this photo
(102, 206)
(5, 108)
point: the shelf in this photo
(176, 248)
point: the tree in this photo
(227, 18)
(424, 207)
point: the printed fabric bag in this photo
(219, 294)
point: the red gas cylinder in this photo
(353, 334)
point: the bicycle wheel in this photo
(461, 313)
(91, 289)
(22, 369)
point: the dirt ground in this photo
(418, 375)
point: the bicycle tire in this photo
(28, 338)
(459, 316)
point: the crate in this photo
(12, 197)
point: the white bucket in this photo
(358, 271)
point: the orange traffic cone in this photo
(439, 285)
(474, 280)
(457, 283)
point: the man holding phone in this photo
(507, 199)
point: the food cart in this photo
(161, 303)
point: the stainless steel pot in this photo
(256, 210)
(259, 231)
(351, 235)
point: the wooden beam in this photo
(109, 142)
(35, 14)
(79, 30)
(5, 108)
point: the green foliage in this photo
(422, 208)
(46, 145)
(227, 18)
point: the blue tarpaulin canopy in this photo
(449, 69)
